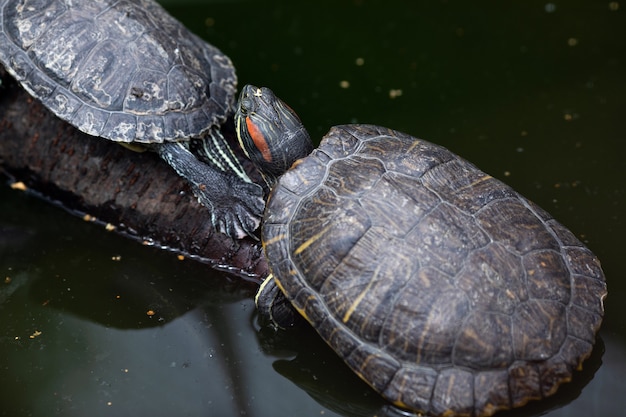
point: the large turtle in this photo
(443, 288)
(129, 72)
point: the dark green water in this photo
(532, 92)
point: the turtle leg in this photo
(215, 150)
(236, 206)
(274, 308)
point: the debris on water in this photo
(393, 93)
(19, 185)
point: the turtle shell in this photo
(440, 286)
(126, 71)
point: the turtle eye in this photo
(243, 109)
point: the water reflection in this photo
(200, 354)
(79, 344)
(319, 372)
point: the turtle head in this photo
(270, 132)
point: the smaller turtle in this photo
(129, 72)
(444, 289)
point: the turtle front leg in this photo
(236, 206)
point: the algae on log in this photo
(137, 193)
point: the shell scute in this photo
(491, 391)
(340, 178)
(548, 276)
(538, 330)
(59, 51)
(493, 279)
(90, 120)
(454, 393)
(379, 369)
(64, 103)
(412, 387)
(122, 126)
(474, 347)
(43, 88)
(26, 23)
(392, 203)
(430, 319)
(444, 237)
(524, 231)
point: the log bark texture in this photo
(137, 193)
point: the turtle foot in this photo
(236, 206)
(241, 214)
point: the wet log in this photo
(135, 193)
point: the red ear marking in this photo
(259, 140)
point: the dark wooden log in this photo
(135, 193)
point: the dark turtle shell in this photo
(440, 286)
(123, 70)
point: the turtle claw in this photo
(238, 221)
(239, 213)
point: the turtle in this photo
(129, 72)
(444, 289)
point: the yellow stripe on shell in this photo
(300, 311)
(413, 145)
(360, 297)
(473, 184)
(311, 240)
(273, 240)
